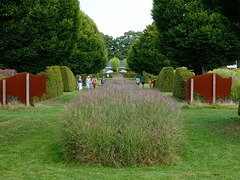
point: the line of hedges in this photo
(68, 79)
(181, 76)
(165, 79)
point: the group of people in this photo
(90, 81)
(142, 80)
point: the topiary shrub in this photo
(180, 78)
(54, 84)
(68, 79)
(166, 78)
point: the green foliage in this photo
(180, 79)
(114, 63)
(229, 8)
(235, 91)
(194, 37)
(145, 131)
(144, 54)
(35, 34)
(166, 78)
(90, 56)
(123, 44)
(68, 79)
(54, 84)
(225, 73)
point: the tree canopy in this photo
(120, 46)
(193, 36)
(144, 54)
(35, 34)
(90, 55)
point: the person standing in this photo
(79, 83)
(143, 81)
(88, 82)
(138, 81)
(94, 82)
(150, 81)
(103, 80)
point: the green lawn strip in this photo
(30, 146)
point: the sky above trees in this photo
(114, 17)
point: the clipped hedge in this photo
(54, 84)
(68, 79)
(180, 78)
(166, 78)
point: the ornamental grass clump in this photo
(122, 125)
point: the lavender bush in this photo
(121, 125)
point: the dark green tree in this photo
(229, 8)
(35, 34)
(144, 54)
(90, 55)
(194, 37)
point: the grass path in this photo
(30, 146)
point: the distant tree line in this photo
(120, 46)
(35, 34)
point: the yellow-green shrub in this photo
(54, 84)
(235, 92)
(68, 79)
(180, 78)
(166, 78)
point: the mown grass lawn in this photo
(30, 146)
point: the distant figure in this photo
(79, 83)
(138, 81)
(150, 81)
(88, 82)
(94, 82)
(111, 75)
(107, 75)
(103, 80)
(143, 81)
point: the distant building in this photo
(108, 67)
(232, 66)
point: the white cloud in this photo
(114, 17)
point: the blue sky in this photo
(114, 17)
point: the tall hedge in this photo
(180, 78)
(166, 78)
(68, 79)
(54, 84)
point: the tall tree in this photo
(90, 55)
(193, 37)
(144, 54)
(35, 34)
